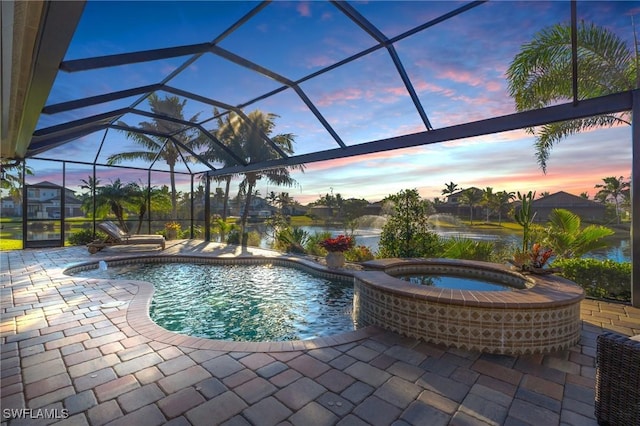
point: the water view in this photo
(619, 248)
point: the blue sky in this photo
(457, 68)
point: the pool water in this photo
(454, 282)
(241, 302)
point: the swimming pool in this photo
(253, 303)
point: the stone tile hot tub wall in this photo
(542, 316)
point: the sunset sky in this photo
(457, 68)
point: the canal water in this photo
(619, 249)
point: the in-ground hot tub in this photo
(541, 313)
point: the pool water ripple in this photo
(241, 302)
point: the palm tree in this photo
(12, 179)
(227, 135)
(154, 146)
(141, 197)
(218, 198)
(90, 185)
(613, 188)
(538, 77)
(284, 200)
(488, 199)
(471, 197)
(254, 149)
(450, 188)
(502, 200)
(272, 199)
(116, 198)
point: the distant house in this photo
(374, 208)
(259, 209)
(9, 207)
(321, 212)
(452, 205)
(587, 209)
(44, 201)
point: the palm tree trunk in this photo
(225, 203)
(245, 214)
(119, 213)
(174, 202)
(141, 213)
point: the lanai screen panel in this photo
(337, 74)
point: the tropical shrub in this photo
(599, 278)
(253, 238)
(233, 237)
(407, 233)
(466, 248)
(358, 254)
(221, 228)
(312, 245)
(291, 240)
(565, 235)
(84, 236)
(172, 230)
(341, 243)
(198, 232)
(524, 216)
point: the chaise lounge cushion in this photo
(118, 237)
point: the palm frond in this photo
(550, 134)
(591, 238)
(564, 221)
(131, 156)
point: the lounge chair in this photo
(617, 396)
(116, 236)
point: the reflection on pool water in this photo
(454, 282)
(241, 302)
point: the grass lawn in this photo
(10, 244)
(511, 226)
(301, 221)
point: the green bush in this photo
(291, 240)
(253, 238)
(84, 237)
(233, 237)
(599, 278)
(466, 248)
(198, 232)
(407, 233)
(313, 247)
(358, 254)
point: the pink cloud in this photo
(472, 79)
(493, 86)
(423, 86)
(304, 9)
(340, 96)
(326, 16)
(319, 61)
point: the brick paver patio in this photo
(70, 355)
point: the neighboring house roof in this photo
(453, 198)
(44, 184)
(563, 199)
